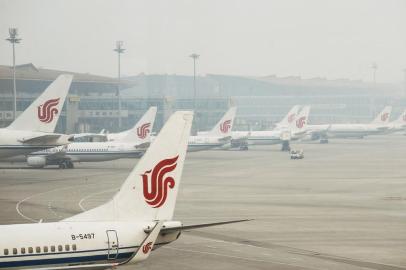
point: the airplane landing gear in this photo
(70, 164)
(285, 146)
(67, 164)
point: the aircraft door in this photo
(112, 244)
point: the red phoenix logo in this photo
(155, 186)
(300, 122)
(291, 118)
(225, 126)
(47, 111)
(143, 130)
(147, 247)
(384, 117)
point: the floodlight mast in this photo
(13, 39)
(119, 49)
(195, 57)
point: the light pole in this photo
(374, 68)
(119, 49)
(195, 57)
(13, 32)
(404, 70)
(374, 94)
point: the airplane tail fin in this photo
(289, 118)
(224, 127)
(43, 114)
(300, 124)
(149, 193)
(402, 118)
(383, 117)
(141, 132)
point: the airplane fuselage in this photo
(62, 244)
(199, 142)
(355, 130)
(264, 137)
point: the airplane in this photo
(399, 124)
(124, 230)
(379, 125)
(33, 129)
(131, 143)
(219, 136)
(295, 131)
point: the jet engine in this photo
(38, 162)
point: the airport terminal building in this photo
(92, 103)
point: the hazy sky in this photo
(308, 38)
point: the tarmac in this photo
(342, 207)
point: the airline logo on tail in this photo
(147, 247)
(291, 117)
(225, 126)
(155, 185)
(300, 122)
(143, 130)
(384, 117)
(47, 111)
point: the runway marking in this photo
(32, 196)
(314, 254)
(18, 205)
(91, 195)
(235, 257)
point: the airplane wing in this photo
(41, 139)
(225, 139)
(198, 226)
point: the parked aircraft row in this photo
(139, 218)
(30, 137)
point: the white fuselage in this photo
(396, 127)
(201, 142)
(355, 130)
(11, 142)
(263, 137)
(95, 152)
(62, 244)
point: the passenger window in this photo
(45, 249)
(74, 247)
(6, 251)
(38, 250)
(30, 250)
(22, 250)
(60, 248)
(15, 251)
(67, 247)
(52, 248)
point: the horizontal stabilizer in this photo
(198, 226)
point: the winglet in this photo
(147, 245)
